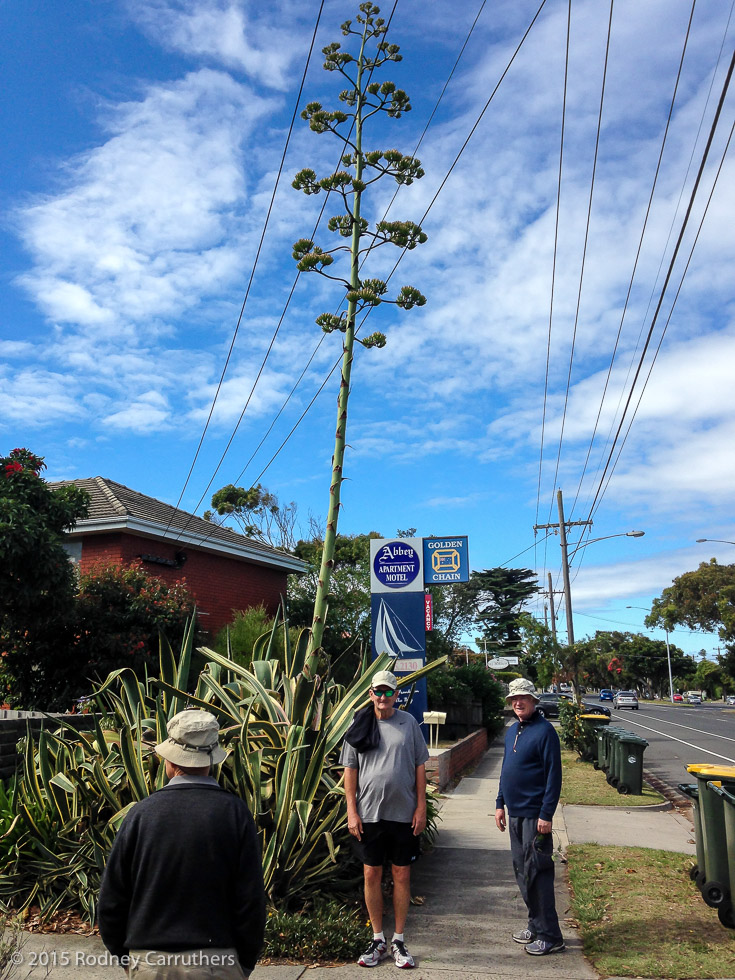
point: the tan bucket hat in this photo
(193, 740)
(521, 686)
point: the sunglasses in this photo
(384, 691)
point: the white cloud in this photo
(219, 30)
(148, 222)
(148, 413)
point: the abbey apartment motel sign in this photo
(400, 569)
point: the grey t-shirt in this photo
(386, 781)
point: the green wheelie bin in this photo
(606, 747)
(613, 770)
(630, 774)
(697, 873)
(726, 911)
(591, 723)
(716, 886)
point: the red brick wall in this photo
(459, 757)
(218, 583)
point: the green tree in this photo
(453, 614)
(364, 99)
(37, 581)
(541, 655)
(499, 595)
(630, 660)
(702, 600)
(257, 513)
(349, 598)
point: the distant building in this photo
(224, 570)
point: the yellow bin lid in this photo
(709, 769)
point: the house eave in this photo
(146, 528)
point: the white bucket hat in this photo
(193, 740)
(521, 686)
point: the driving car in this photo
(549, 704)
(678, 698)
(694, 699)
(606, 694)
(625, 699)
(730, 699)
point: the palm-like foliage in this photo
(282, 729)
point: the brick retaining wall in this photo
(453, 761)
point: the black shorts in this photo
(388, 840)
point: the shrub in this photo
(242, 632)
(472, 682)
(120, 612)
(282, 728)
(324, 929)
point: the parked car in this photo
(606, 694)
(596, 709)
(730, 699)
(694, 699)
(678, 698)
(549, 704)
(625, 699)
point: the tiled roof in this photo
(112, 505)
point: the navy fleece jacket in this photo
(530, 780)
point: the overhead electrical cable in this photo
(584, 247)
(288, 300)
(254, 266)
(426, 212)
(637, 255)
(665, 248)
(671, 311)
(553, 266)
(669, 273)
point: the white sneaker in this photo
(374, 953)
(401, 956)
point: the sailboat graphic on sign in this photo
(393, 637)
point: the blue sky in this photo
(142, 143)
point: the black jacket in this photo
(185, 873)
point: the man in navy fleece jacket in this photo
(530, 784)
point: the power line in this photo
(669, 273)
(252, 271)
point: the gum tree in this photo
(363, 100)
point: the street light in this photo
(565, 573)
(714, 541)
(565, 567)
(668, 653)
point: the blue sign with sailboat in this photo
(399, 629)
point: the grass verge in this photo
(639, 915)
(584, 785)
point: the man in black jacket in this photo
(182, 892)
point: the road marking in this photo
(689, 728)
(690, 744)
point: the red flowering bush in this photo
(120, 611)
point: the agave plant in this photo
(281, 727)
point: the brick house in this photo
(224, 570)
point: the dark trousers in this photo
(534, 869)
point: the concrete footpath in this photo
(470, 901)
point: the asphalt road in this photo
(679, 735)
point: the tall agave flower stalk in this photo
(364, 98)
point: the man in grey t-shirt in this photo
(385, 789)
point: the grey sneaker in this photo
(523, 937)
(541, 947)
(401, 956)
(375, 952)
